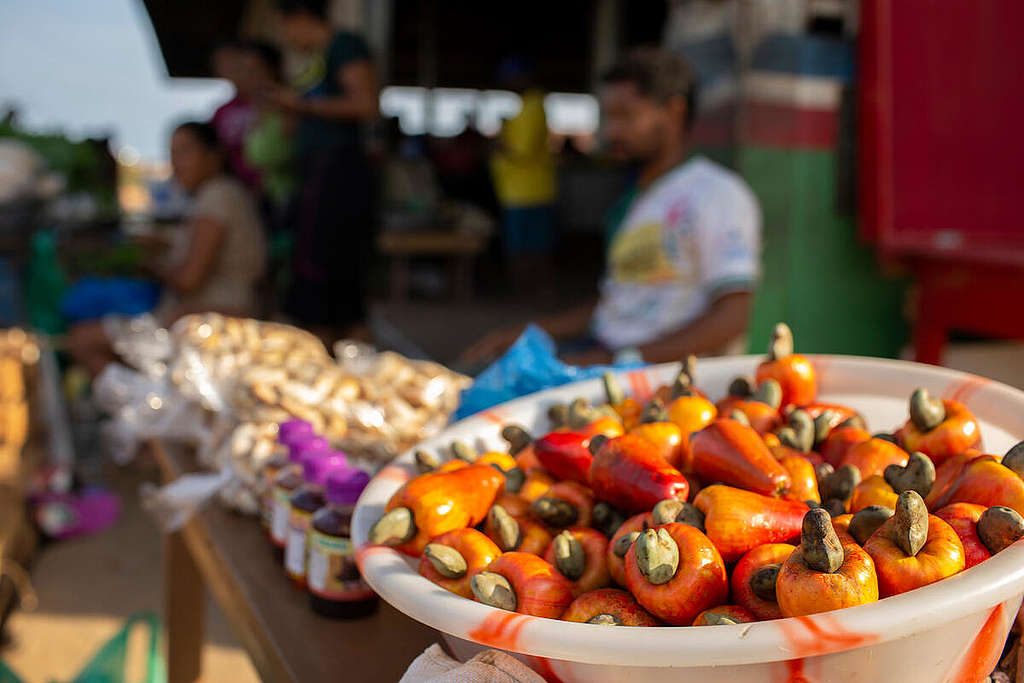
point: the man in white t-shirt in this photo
(683, 255)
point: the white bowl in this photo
(953, 630)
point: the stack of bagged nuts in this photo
(265, 373)
(212, 349)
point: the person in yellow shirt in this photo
(524, 177)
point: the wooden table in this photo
(460, 248)
(230, 555)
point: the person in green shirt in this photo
(269, 149)
(268, 144)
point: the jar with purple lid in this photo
(307, 444)
(304, 501)
(287, 480)
(335, 587)
(289, 432)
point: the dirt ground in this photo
(87, 587)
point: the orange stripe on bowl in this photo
(795, 672)
(395, 473)
(542, 665)
(963, 390)
(640, 385)
(983, 653)
(366, 549)
(500, 630)
(492, 416)
(819, 635)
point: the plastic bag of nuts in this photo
(399, 401)
(211, 350)
(374, 405)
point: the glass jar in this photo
(336, 589)
(290, 432)
(305, 500)
(286, 481)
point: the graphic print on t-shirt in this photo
(692, 234)
(639, 256)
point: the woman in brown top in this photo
(215, 264)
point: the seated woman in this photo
(215, 267)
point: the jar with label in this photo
(336, 589)
(288, 433)
(306, 500)
(285, 483)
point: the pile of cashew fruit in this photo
(683, 512)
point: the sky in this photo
(93, 67)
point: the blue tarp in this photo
(95, 297)
(528, 366)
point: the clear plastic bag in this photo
(143, 408)
(174, 504)
(141, 342)
(399, 402)
(225, 384)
